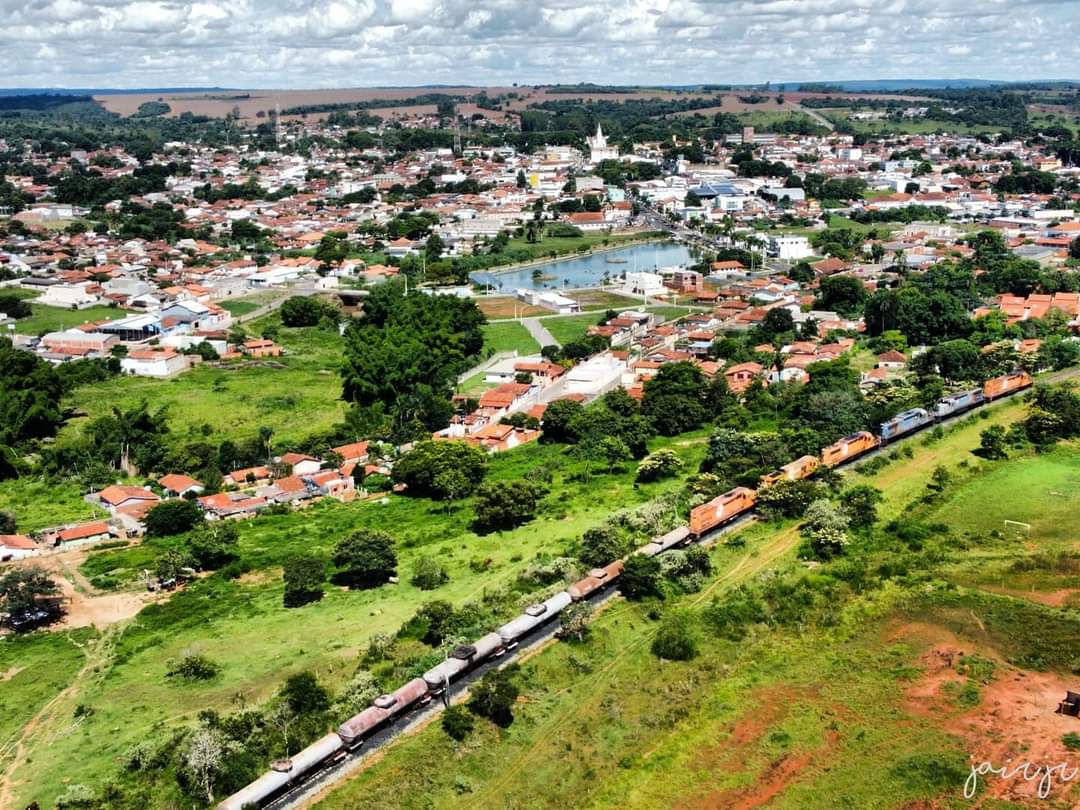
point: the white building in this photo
(644, 284)
(789, 247)
(599, 149)
(148, 363)
(595, 376)
(550, 300)
(16, 547)
(68, 296)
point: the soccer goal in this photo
(1018, 527)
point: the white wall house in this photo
(68, 296)
(789, 247)
(145, 363)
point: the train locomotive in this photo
(704, 519)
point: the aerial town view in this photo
(631, 404)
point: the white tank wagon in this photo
(284, 773)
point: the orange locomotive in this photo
(1006, 384)
(721, 509)
(849, 447)
(795, 470)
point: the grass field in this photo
(568, 328)
(295, 395)
(509, 336)
(248, 303)
(917, 126)
(39, 503)
(500, 307)
(55, 319)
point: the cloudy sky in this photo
(355, 43)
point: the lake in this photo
(587, 271)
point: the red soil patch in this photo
(1015, 721)
(773, 705)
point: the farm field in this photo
(250, 102)
(872, 710)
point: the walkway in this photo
(540, 332)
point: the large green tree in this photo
(674, 399)
(366, 557)
(432, 466)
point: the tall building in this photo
(748, 135)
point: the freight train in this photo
(704, 519)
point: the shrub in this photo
(423, 469)
(366, 557)
(458, 723)
(193, 666)
(506, 504)
(77, 796)
(601, 546)
(173, 517)
(428, 574)
(303, 577)
(640, 577)
(495, 695)
(676, 639)
(663, 463)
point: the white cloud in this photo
(298, 43)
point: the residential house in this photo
(82, 534)
(249, 476)
(118, 497)
(234, 505)
(153, 363)
(180, 485)
(891, 360)
(301, 464)
(741, 375)
(17, 547)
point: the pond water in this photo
(587, 271)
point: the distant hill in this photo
(871, 85)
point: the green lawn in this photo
(248, 303)
(568, 328)
(921, 126)
(295, 395)
(54, 319)
(508, 336)
(39, 503)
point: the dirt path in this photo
(55, 717)
(87, 607)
